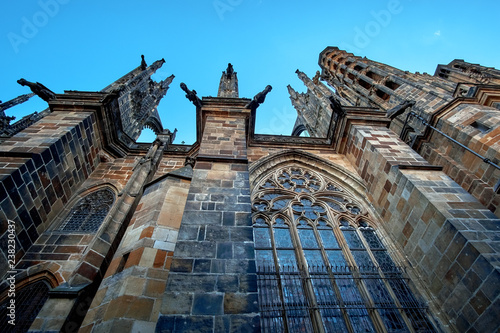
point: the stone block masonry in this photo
(212, 280)
(212, 284)
(40, 169)
(447, 235)
(131, 292)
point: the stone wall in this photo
(212, 284)
(130, 296)
(449, 238)
(41, 168)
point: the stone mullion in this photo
(385, 282)
(333, 281)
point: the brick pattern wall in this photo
(169, 163)
(33, 190)
(469, 171)
(212, 283)
(66, 250)
(91, 257)
(224, 137)
(448, 236)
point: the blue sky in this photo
(86, 45)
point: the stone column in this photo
(212, 284)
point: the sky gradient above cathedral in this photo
(86, 45)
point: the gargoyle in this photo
(42, 91)
(259, 98)
(191, 95)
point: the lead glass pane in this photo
(372, 239)
(286, 260)
(308, 239)
(363, 260)
(29, 301)
(336, 258)
(262, 237)
(328, 239)
(264, 258)
(282, 238)
(314, 259)
(352, 239)
(384, 261)
(88, 214)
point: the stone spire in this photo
(15, 101)
(138, 99)
(314, 110)
(228, 86)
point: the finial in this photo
(143, 62)
(228, 86)
(229, 71)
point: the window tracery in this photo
(89, 212)
(320, 262)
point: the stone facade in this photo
(173, 249)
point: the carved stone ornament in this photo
(42, 91)
(190, 160)
(191, 95)
(259, 98)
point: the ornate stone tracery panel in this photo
(310, 196)
(321, 263)
(89, 212)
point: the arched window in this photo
(321, 265)
(89, 212)
(28, 302)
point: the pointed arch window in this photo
(89, 212)
(28, 302)
(321, 265)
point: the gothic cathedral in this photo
(379, 213)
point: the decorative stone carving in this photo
(5, 121)
(399, 109)
(229, 71)
(191, 95)
(316, 77)
(259, 98)
(42, 91)
(228, 86)
(190, 160)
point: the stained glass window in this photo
(321, 265)
(89, 212)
